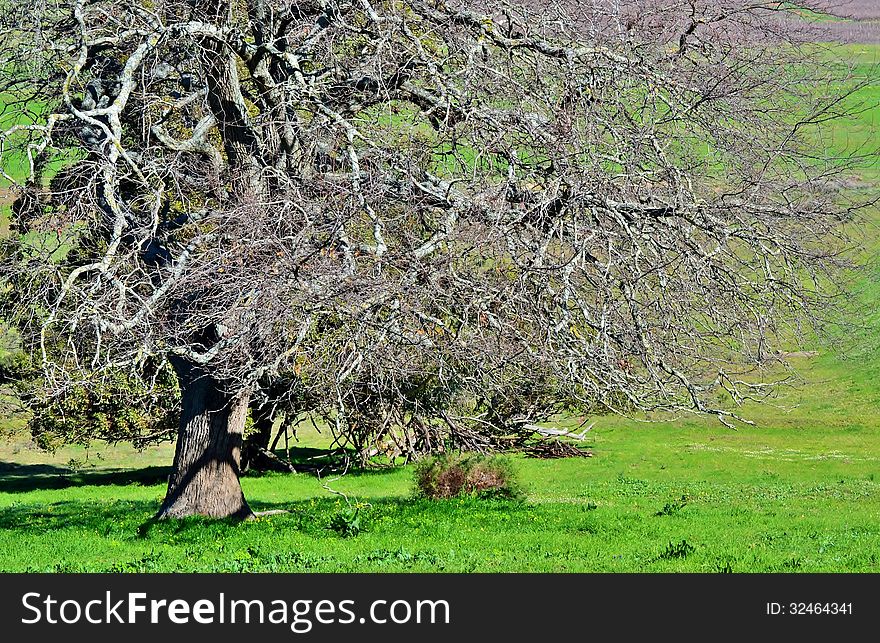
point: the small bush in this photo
(455, 474)
(347, 523)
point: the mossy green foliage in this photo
(115, 408)
(110, 405)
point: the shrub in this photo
(454, 474)
(347, 523)
(682, 549)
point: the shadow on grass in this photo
(119, 537)
(20, 478)
(313, 516)
(310, 460)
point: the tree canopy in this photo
(425, 223)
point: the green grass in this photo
(798, 496)
(800, 491)
(858, 135)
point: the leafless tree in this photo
(421, 217)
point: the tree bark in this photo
(205, 478)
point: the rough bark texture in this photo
(204, 481)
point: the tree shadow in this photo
(323, 461)
(134, 518)
(21, 478)
(307, 459)
(92, 515)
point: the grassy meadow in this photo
(797, 492)
(800, 495)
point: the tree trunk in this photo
(207, 461)
(204, 481)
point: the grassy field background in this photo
(800, 491)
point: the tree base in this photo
(204, 481)
(234, 509)
(212, 491)
(176, 513)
